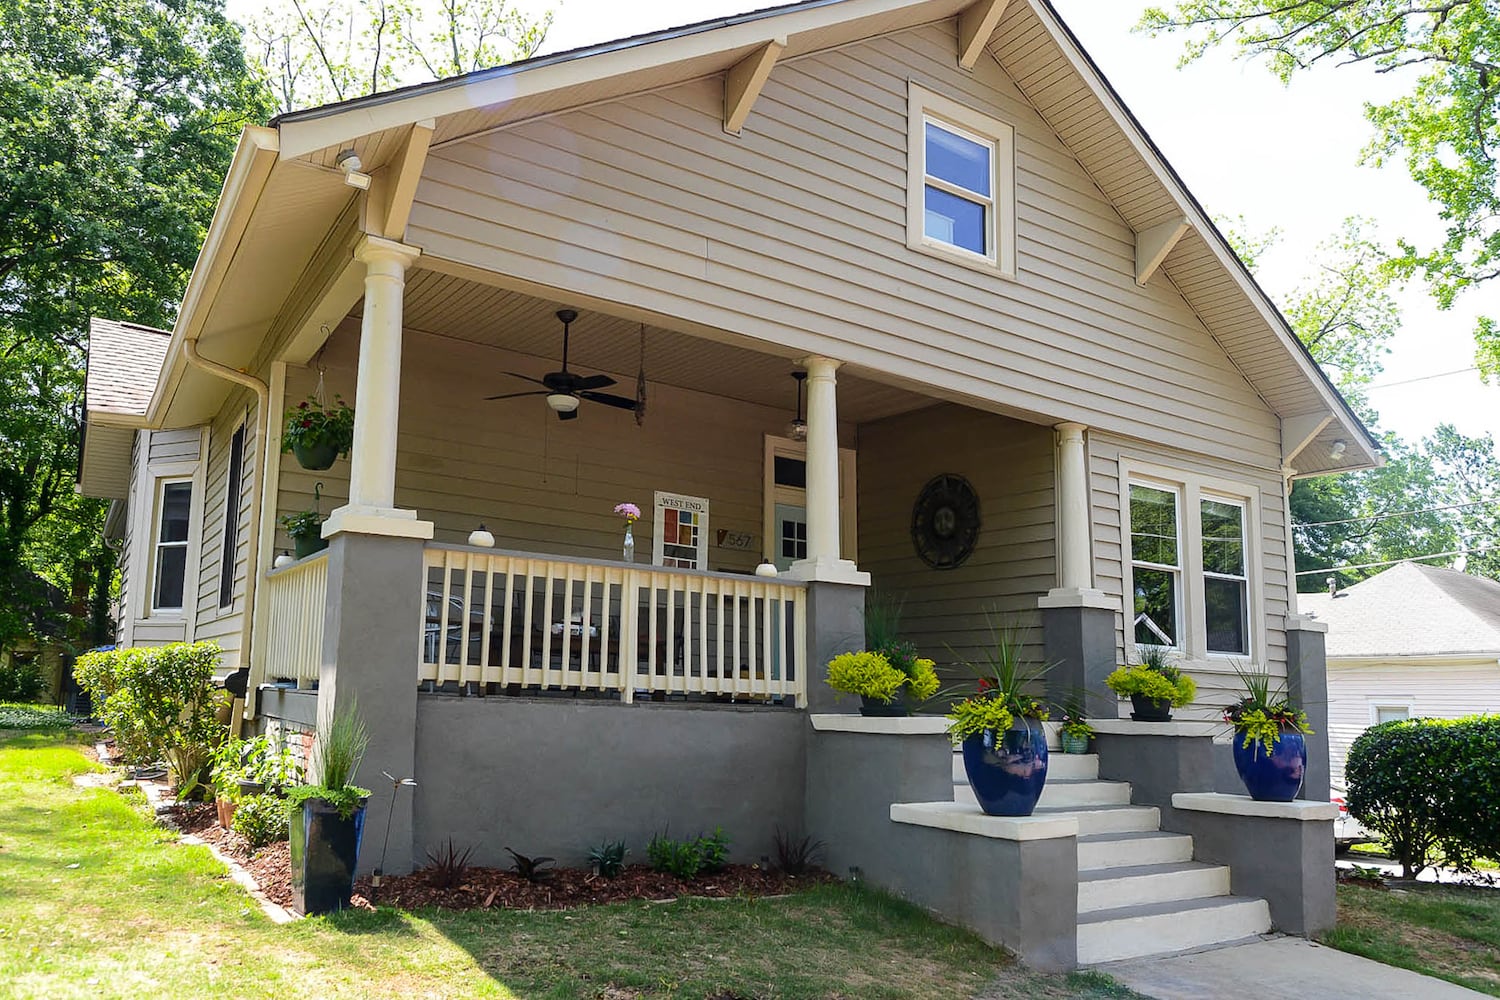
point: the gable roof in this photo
(124, 361)
(1030, 42)
(1410, 610)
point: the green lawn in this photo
(97, 902)
(1452, 932)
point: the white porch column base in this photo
(393, 522)
(825, 570)
(1078, 597)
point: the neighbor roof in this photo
(124, 360)
(1410, 610)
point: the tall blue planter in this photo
(1007, 769)
(325, 852)
(1275, 776)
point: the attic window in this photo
(960, 183)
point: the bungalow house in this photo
(1412, 642)
(888, 292)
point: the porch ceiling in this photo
(467, 310)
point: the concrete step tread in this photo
(1098, 808)
(1175, 906)
(1145, 871)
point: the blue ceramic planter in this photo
(325, 853)
(1275, 776)
(1008, 768)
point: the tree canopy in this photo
(117, 123)
(1446, 128)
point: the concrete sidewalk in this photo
(1273, 969)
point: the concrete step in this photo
(1108, 888)
(1108, 819)
(1132, 850)
(1161, 928)
(1060, 767)
(1062, 794)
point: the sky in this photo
(1280, 157)
(1283, 157)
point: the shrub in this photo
(1430, 788)
(261, 820)
(687, 858)
(161, 703)
(608, 858)
(869, 675)
(20, 681)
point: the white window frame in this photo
(153, 558)
(1193, 488)
(923, 106)
(1244, 505)
(1403, 704)
(143, 536)
(1180, 569)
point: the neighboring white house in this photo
(1415, 641)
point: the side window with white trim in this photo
(1226, 582)
(174, 505)
(1155, 565)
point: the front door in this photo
(789, 543)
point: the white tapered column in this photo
(1075, 548)
(823, 560)
(377, 401)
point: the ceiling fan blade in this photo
(608, 399)
(594, 382)
(567, 414)
(518, 395)
(528, 378)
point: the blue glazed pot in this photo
(1274, 776)
(325, 853)
(1008, 768)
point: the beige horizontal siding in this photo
(759, 235)
(174, 445)
(1433, 690)
(948, 613)
(224, 624)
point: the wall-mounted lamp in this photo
(349, 162)
(482, 537)
(1337, 450)
(797, 428)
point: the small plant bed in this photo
(22, 717)
(563, 888)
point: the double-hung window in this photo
(1192, 559)
(960, 183)
(1226, 583)
(170, 545)
(1156, 564)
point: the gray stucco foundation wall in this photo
(557, 777)
(835, 624)
(1288, 863)
(1081, 642)
(1307, 686)
(292, 706)
(1022, 896)
(1159, 766)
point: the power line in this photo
(1402, 513)
(1393, 562)
(1423, 378)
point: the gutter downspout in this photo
(262, 419)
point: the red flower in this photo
(302, 406)
(985, 684)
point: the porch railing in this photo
(516, 618)
(296, 599)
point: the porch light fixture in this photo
(481, 537)
(349, 162)
(1337, 451)
(562, 402)
(797, 428)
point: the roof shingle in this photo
(124, 363)
(1410, 610)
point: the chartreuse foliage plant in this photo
(1263, 714)
(162, 703)
(872, 675)
(977, 715)
(1154, 678)
(1430, 788)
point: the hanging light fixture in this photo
(797, 428)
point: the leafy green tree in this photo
(319, 51)
(117, 123)
(1446, 128)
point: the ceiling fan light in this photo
(562, 402)
(797, 429)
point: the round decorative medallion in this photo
(945, 521)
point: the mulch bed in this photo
(563, 888)
(481, 888)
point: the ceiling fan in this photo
(564, 390)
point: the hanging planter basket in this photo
(305, 545)
(315, 457)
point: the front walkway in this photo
(1279, 968)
